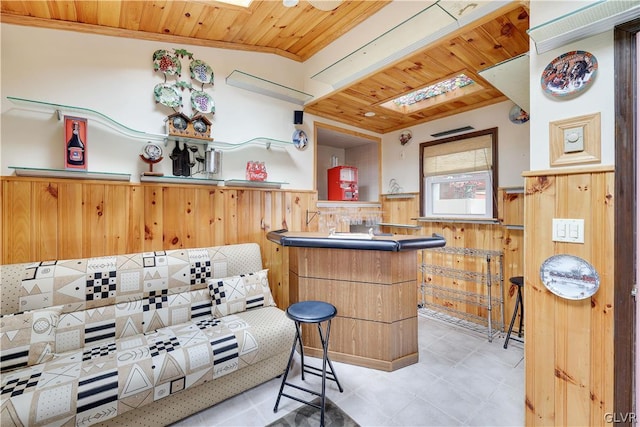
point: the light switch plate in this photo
(568, 230)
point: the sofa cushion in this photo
(240, 293)
(94, 384)
(28, 338)
(85, 328)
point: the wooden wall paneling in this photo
(217, 212)
(202, 217)
(569, 351)
(539, 309)
(94, 234)
(135, 234)
(45, 220)
(153, 217)
(177, 217)
(603, 385)
(273, 253)
(118, 201)
(17, 228)
(71, 213)
(230, 217)
(513, 266)
(573, 320)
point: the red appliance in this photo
(343, 183)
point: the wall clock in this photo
(177, 124)
(151, 154)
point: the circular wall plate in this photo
(569, 277)
(300, 139)
(569, 74)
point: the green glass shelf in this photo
(64, 173)
(62, 110)
(255, 184)
(170, 179)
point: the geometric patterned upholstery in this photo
(133, 329)
(94, 384)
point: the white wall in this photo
(402, 162)
(115, 77)
(597, 98)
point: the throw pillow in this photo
(240, 293)
(28, 338)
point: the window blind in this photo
(468, 155)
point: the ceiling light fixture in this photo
(369, 114)
(289, 3)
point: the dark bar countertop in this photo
(386, 242)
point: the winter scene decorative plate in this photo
(569, 277)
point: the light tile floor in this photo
(461, 379)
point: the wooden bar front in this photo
(375, 295)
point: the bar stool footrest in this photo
(318, 373)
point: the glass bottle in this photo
(176, 157)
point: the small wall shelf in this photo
(61, 110)
(63, 173)
(254, 184)
(170, 179)
(458, 220)
(409, 226)
(265, 87)
(400, 195)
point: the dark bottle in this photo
(75, 147)
(176, 157)
(186, 161)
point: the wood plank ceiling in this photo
(298, 33)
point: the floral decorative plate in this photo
(569, 277)
(202, 102)
(167, 94)
(166, 63)
(569, 74)
(201, 71)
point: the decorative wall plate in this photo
(166, 63)
(569, 277)
(201, 71)
(517, 115)
(167, 94)
(300, 139)
(569, 74)
(202, 102)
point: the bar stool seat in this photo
(311, 312)
(519, 282)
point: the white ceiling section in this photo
(511, 78)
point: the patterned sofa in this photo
(140, 339)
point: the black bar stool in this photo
(519, 282)
(311, 312)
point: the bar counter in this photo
(372, 281)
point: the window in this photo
(459, 176)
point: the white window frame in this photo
(430, 180)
